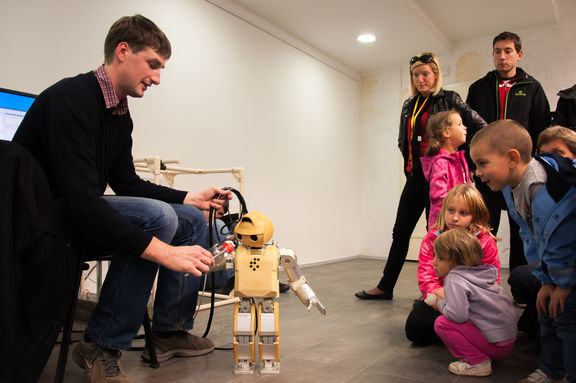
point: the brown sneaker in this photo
(180, 344)
(100, 365)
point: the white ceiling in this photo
(403, 27)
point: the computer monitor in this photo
(13, 107)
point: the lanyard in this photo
(415, 114)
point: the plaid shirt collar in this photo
(110, 98)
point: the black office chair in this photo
(87, 255)
(35, 252)
(37, 268)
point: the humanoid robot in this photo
(256, 277)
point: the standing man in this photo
(79, 130)
(509, 93)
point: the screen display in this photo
(13, 107)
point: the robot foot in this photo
(269, 367)
(244, 367)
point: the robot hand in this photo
(221, 253)
(298, 282)
(314, 301)
(318, 304)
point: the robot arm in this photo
(298, 282)
(223, 253)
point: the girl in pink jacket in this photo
(443, 165)
(463, 207)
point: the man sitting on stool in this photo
(80, 129)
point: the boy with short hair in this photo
(523, 284)
(541, 197)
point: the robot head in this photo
(255, 229)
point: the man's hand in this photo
(542, 297)
(188, 259)
(208, 198)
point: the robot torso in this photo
(256, 272)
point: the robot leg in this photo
(244, 336)
(269, 337)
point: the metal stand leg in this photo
(67, 330)
(149, 343)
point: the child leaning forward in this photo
(478, 321)
(540, 196)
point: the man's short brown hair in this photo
(139, 33)
(503, 135)
(509, 36)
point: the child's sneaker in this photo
(539, 376)
(460, 367)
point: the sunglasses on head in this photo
(424, 59)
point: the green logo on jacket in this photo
(520, 93)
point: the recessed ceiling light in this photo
(366, 38)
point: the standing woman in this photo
(427, 98)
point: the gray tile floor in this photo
(357, 341)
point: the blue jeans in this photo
(558, 342)
(126, 290)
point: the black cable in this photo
(211, 224)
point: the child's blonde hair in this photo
(462, 246)
(471, 197)
(504, 135)
(568, 136)
(437, 125)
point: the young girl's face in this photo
(442, 264)
(457, 130)
(457, 214)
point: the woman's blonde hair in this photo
(471, 197)
(437, 125)
(462, 246)
(435, 66)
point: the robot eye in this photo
(254, 237)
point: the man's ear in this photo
(122, 51)
(514, 158)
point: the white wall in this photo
(231, 96)
(318, 147)
(549, 56)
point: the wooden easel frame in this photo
(158, 168)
